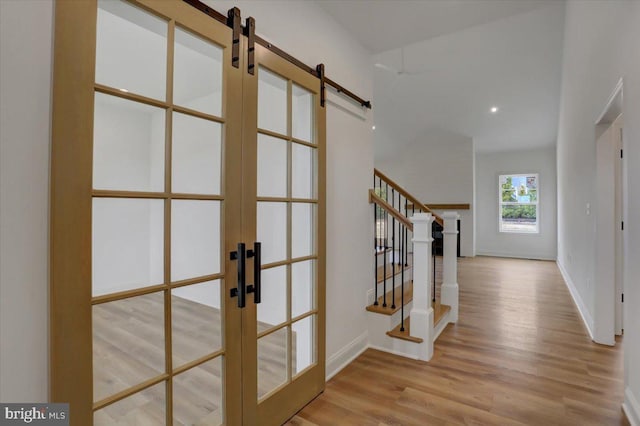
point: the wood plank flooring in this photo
(519, 355)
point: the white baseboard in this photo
(346, 355)
(582, 308)
(512, 255)
(631, 407)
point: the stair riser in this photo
(395, 318)
(371, 294)
(398, 281)
(380, 324)
(439, 328)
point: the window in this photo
(518, 195)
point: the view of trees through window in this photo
(518, 203)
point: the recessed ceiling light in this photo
(494, 110)
(373, 127)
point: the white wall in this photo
(489, 165)
(600, 46)
(25, 84)
(437, 168)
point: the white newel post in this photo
(422, 312)
(449, 290)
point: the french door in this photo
(187, 222)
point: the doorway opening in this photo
(610, 215)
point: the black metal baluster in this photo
(406, 236)
(375, 244)
(413, 213)
(386, 240)
(403, 244)
(386, 198)
(393, 252)
(401, 228)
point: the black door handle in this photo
(256, 289)
(241, 290)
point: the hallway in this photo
(519, 354)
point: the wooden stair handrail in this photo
(375, 198)
(406, 195)
(447, 206)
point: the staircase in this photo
(415, 294)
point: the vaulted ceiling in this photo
(445, 64)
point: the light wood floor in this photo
(519, 354)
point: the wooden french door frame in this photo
(277, 407)
(72, 193)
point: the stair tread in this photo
(404, 335)
(388, 310)
(390, 271)
(439, 311)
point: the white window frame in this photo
(506, 203)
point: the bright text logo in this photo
(34, 414)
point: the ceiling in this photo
(410, 21)
(446, 63)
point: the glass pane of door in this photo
(147, 407)
(130, 66)
(198, 395)
(128, 145)
(197, 73)
(272, 310)
(128, 343)
(128, 239)
(272, 102)
(304, 340)
(196, 313)
(195, 238)
(197, 155)
(302, 122)
(303, 288)
(272, 361)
